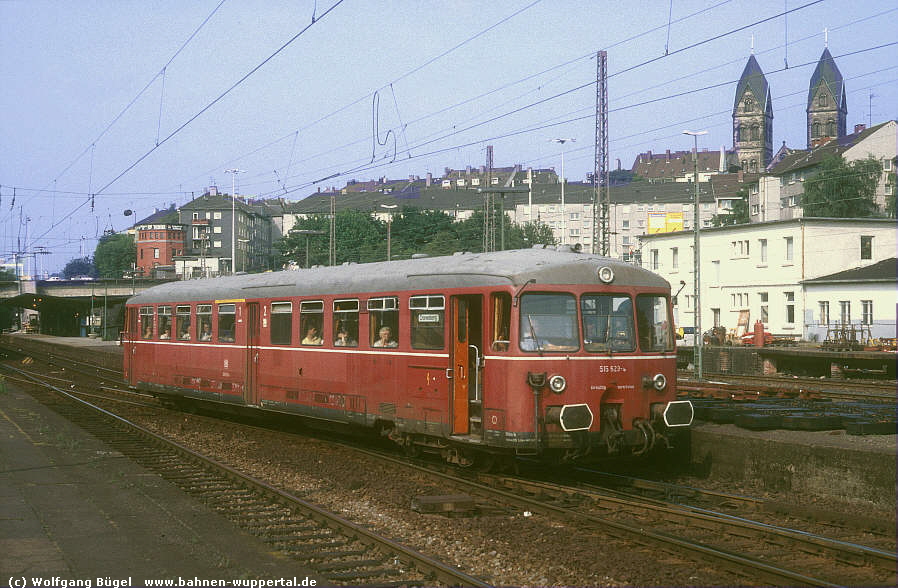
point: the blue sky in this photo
(86, 107)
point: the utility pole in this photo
(234, 172)
(697, 285)
(600, 177)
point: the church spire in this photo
(827, 108)
(753, 119)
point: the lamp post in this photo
(307, 233)
(697, 261)
(563, 222)
(389, 207)
(234, 171)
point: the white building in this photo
(762, 268)
(860, 298)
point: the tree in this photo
(739, 213)
(115, 254)
(81, 266)
(842, 190)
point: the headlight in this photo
(659, 382)
(606, 274)
(557, 384)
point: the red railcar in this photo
(515, 352)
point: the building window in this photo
(575, 216)
(789, 249)
(625, 224)
(715, 315)
(866, 312)
(674, 258)
(765, 318)
(824, 311)
(821, 101)
(790, 307)
(216, 215)
(654, 257)
(763, 247)
(866, 247)
(756, 209)
(155, 254)
(216, 229)
(845, 311)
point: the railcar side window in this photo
(182, 323)
(281, 323)
(311, 314)
(165, 322)
(549, 323)
(346, 323)
(146, 322)
(227, 322)
(607, 322)
(501, 321)
(653, 323)
(383, 321)
(428, 326)
(204, 322)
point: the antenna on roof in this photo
(752, 43)
(825, 38)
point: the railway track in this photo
(335, 548)
(755, 550)
(727, 385)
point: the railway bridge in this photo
(68, 307)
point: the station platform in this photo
(853, 469)
(75, 510)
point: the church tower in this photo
(827, 108)
(753, 119)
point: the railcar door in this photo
(251, 390)
(129, 336)
(466, 336)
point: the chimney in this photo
(468, 170)
(668, 155)
(723, 159)
(740, 176)
(483, 169)
(859, 127)
(618, 163)
(429, 180)
(649, 155)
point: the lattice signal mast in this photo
(601, 198)
(489, 222)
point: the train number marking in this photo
(612, 369)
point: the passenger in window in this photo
(165, 333)
(385, 338)
(184, 335)
(206, 331)
(344, 340)
(312, 336)
(148, 331)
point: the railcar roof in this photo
(499, 268)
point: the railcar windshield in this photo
(548, 323)
(654, 323)
(607, 323)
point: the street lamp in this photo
(389, 207)
(307, 233)
(562, 142)
(697, 261)
(234, 171)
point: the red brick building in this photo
(157, 244)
